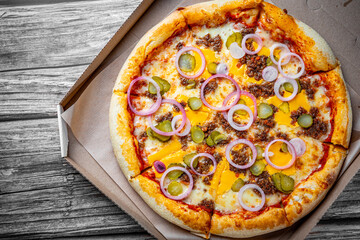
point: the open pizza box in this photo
(83, 113)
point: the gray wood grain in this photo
(45, 46)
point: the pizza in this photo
(231, 118)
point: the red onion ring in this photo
(202, 95)
(203, 61)
(187, 125)
(203, 155)
(257, 39)
(270, 73)
(291, 150)
(299, 146)
(236, 51)
(242, 92)
(302, 65)
(183, 113)
(275, 46)
(231, 114)
(154, 107)
(159, 166)
(222, 68)
(236, 142)
(183, 195)
(280, 82)
(246, 207)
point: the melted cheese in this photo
(240, 73)
(250, 198)
(197, 117)
(169, 148)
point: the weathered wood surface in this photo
(44, 49)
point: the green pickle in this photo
(194, 103)
(191, 84)
(240, 111)
(265, 110)
(164, 126)
(257, 168)
(239, 183)
(187, 62)
(284, 107)
(210, 141)
(163, 84)
(173, 175)
(219, 138)
(284, 148)
(305, 120)
(260, 152)
(277, 180)
(211, 67)
(283, 182)
(290, 88)
(197, 135)
(175, 188)
(187, 159)
(269, 62)
(235, 37)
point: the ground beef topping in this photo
(263, 136)
(317, 129)
(167, 116)
(218, 157)
(210, 87)
(309, 89)
(314, 111)
(240, 157)
(264, 182)
(296, 114)
(262, 90)
(179, 46)
(246, 31)
(255, 65)
(282, 136)
(207, 179)
(267, 123)
(208, 128)
(208, 41)
(203, 166)
(209, 204)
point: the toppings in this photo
(264, 181)
(231, 120)
(265, 111)
(255, 65)
(288, 56)
(207, 41)
(236, 51)
(244, 205)
(187, 125)
(209, 156)
(260, 152)
(197, 135)
(305, 120)
(163, 84)
(211, 67)
(159, 166)
(214, 138)
(262, 90)
(257, 168)
(282, 81)
(257, 39)
(270, 73)
(175, 188)
(183, 60)
(283, 183)
(291, 151)
(194, 103)
(180, 196)
(236, 37)
(299, 145)
(284, 107)
(237, 185)
(187, 159)
(154, 107)
(222, 68)
(284, 49)
(202, 92)
(209, 204)
(163, 126)
(233, 144)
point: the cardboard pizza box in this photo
(83, 112)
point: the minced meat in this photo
(209, 204)
(262, 90)
(208, 41)
(167, 116)
(255, 65)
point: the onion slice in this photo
(291, 151)
(257, 39)
(159, 166)
(242, 92)
(270, 73)
(246, 207)
(233, 144)
(187, 125)
(289, 55)
(183, 195)
(236, 126)
(183, 113)
(222, 68)
(154, 107)
(283, 48)
(299, 146)
(203, 155)
(203, 62)
(224, 108)
(236, 51)
(280, 82)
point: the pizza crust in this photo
(313, 49)
(236, 226)
(197, 221)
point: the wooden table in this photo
(45, 45)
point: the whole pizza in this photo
(231, 118)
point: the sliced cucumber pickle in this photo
(164, 126)
(265, 111)
(210, 141)
(241, 112)
(269, 62)
(187, 62)
(175, 188)
(211, 67)
(219, 138)
(152, 88)
(197, 135)
(288, 87)
(166, 84)
(276, 178)
(187, 159)
(257, 168)
(284, 148)
(287, 183)
(191, 84)
(239, 38)
(260, 152)
(194, 103)
(239, 183)
(305, 120)
(173, 175)
(235, 37)
(284, 107)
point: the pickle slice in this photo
(210, 141)
(260, 152)
(164, 126)
(265, 111)
(276, 178)
(241, 112)
(187, 159)
(284, 107)
(197, 135)
(173, 175)
(175, 188)
(235, 37)
(194, 103)
(211, 67)
(220, 137)
(269, 62)
(290, 88)
(305, 120)
(257, 168)
(191, 84)
(187, 62)
(239, 183)
(152, 88)
(287, 183)
(284, 148)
